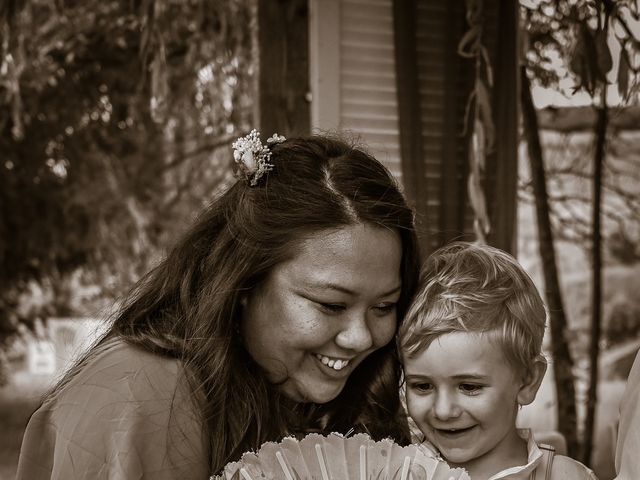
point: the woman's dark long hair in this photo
(188, 307)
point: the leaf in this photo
(623, 74)
(12, 84)
(584, 60)
(478, 140)
(576, 62)
(603, 54)
(487, 64)
(469, 43)
(592, 70)
(483, 104)
(17, 130)
(159, 85)
(477, 198)
(481, 222)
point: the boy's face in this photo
(463, 394)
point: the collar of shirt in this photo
(534, 457)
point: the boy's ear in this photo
(531, 380)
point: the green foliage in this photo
(623, 248)
(579, 44)
(113, 119)
(570, 175)
(623, 323)
(570, 40)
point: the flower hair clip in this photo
(252, 157)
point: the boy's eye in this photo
(470, 388)
(422, 387)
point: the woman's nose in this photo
(445, 406)
(356, 334)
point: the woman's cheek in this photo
(384, 331)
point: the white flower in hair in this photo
(275, 138)
(252, 157)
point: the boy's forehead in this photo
(451, 353)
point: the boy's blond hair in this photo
(468, 287)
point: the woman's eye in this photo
(385, 308)
(470, 388)
(332, 307)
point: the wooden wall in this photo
(387, 72)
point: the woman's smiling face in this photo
(318, 315)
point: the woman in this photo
(272, 316)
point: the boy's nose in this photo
(445, 406)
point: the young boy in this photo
(471, 349)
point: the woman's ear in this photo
(532, 380)
(244, 300)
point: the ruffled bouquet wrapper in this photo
(334, 457)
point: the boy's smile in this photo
(463, 394)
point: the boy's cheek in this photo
(418, 412)
(416, 407)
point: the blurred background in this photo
(516, 124)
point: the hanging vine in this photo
(478, 116)
(154, 22)
(14, 18)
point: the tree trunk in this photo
(562, 361)
(596, 265)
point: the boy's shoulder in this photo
(566, 468)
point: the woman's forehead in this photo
(349, 258)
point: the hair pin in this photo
(252, 157)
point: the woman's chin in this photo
(317, 392)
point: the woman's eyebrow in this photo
(340, 288)
(334, 286)
(392, 291)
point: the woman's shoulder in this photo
(126, 412)
(119, 380)
(566, 468)
(119, 372)
(116, 356)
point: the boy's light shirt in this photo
(522, 472)
(534, 457)
(430, 450)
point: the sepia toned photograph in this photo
(320, 240)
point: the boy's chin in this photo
(457, 456)
(458, 452)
